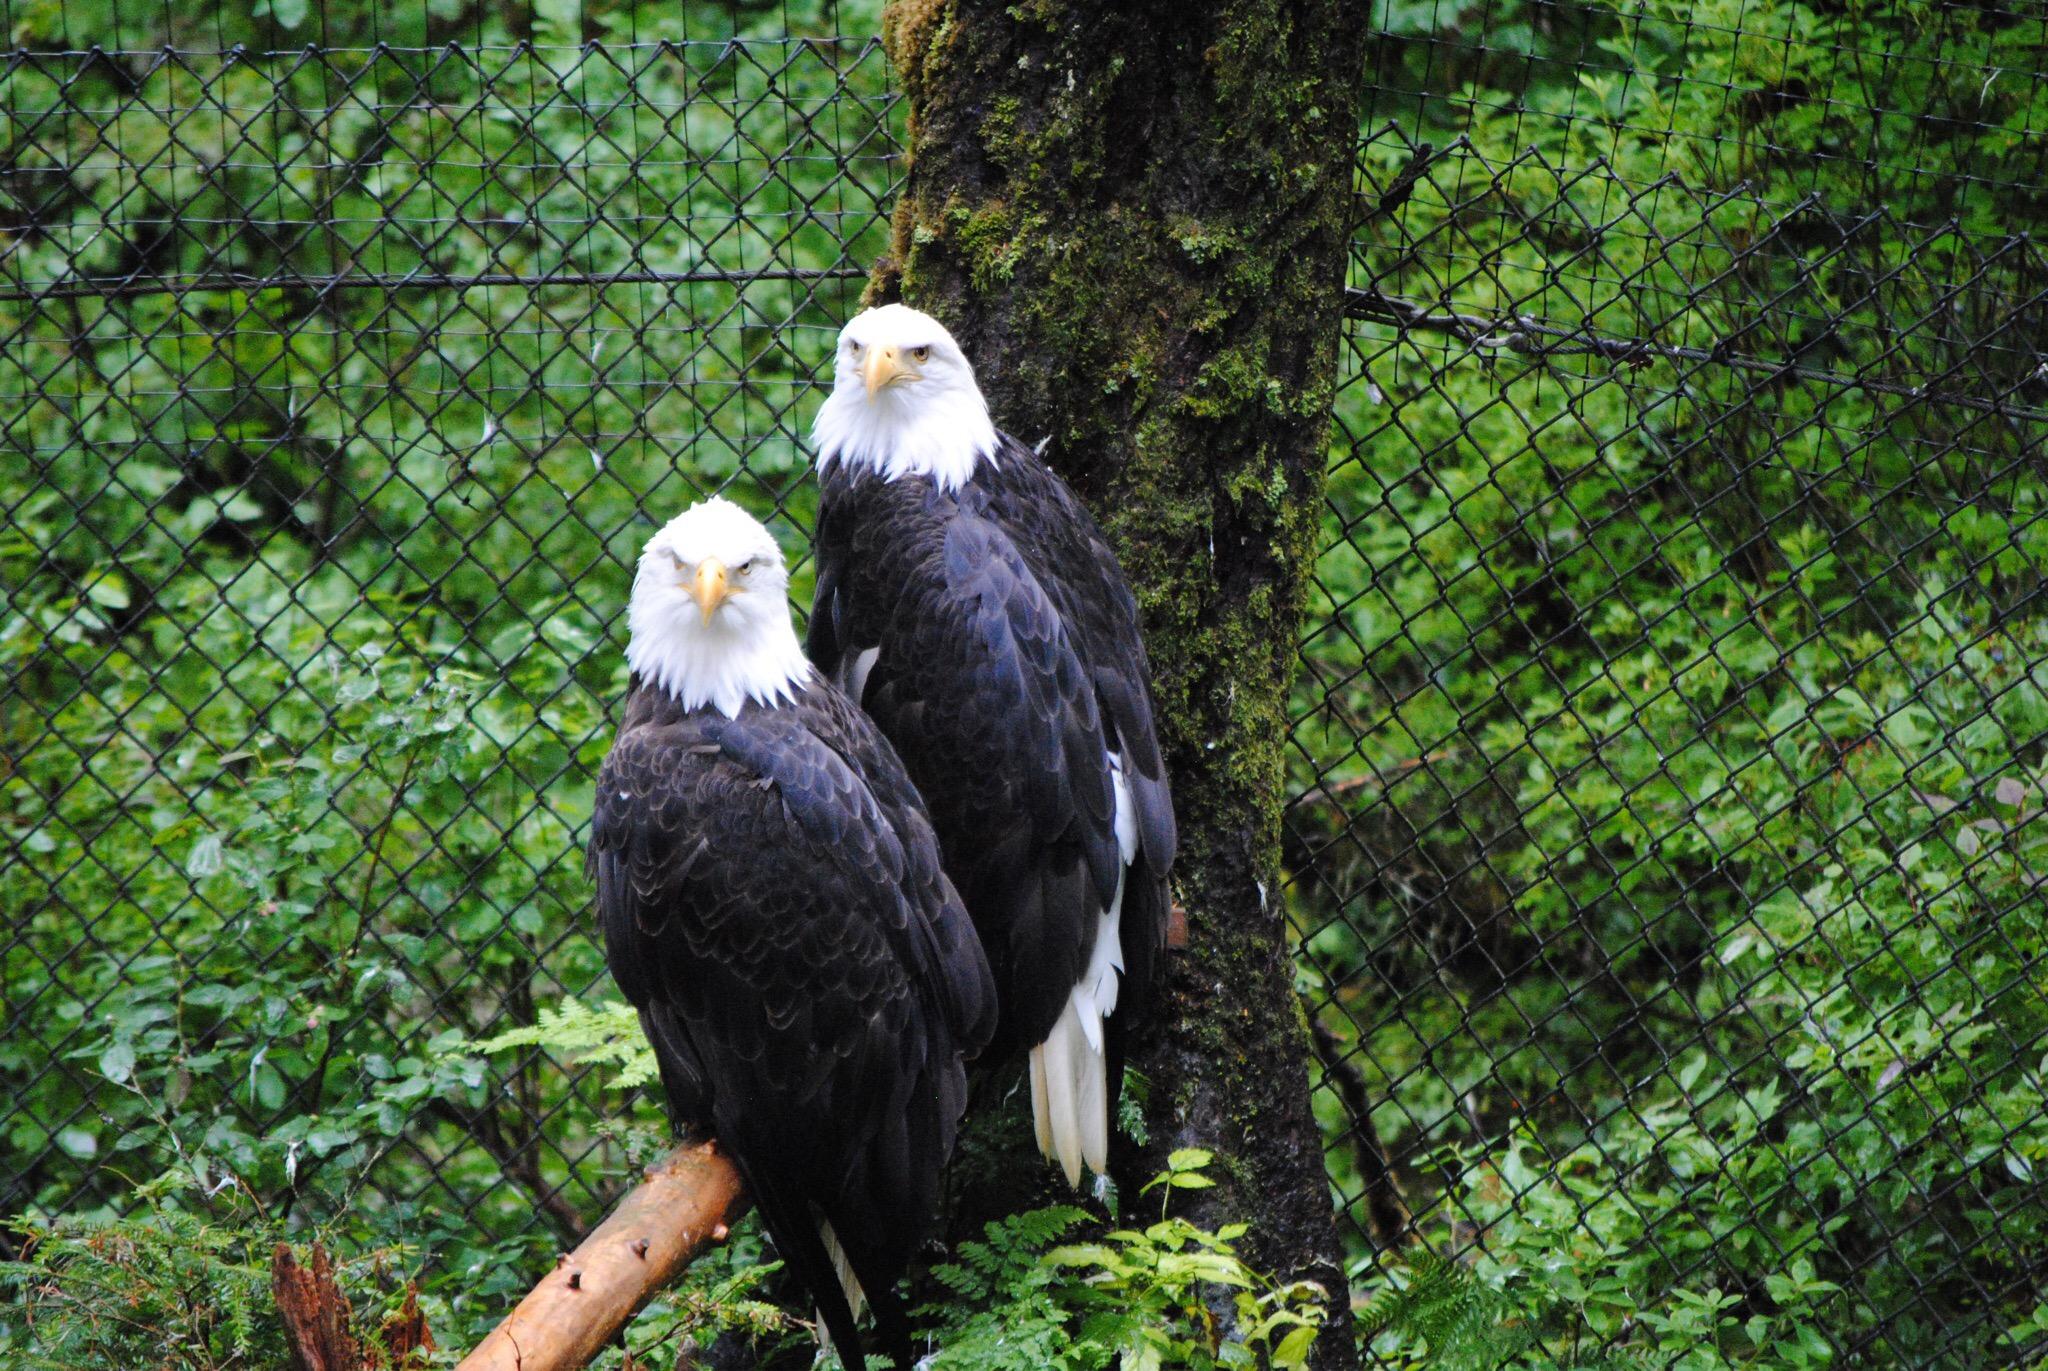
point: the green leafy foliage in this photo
(574, 1032)
(1440, 1305)
(1141, 1299)
(720, 1294)
(1672, 742)
(1001, 1312)
(309, 598)
(183, 1281)
(1438, 1313)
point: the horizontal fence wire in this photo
(127, 287)
(1666, 764)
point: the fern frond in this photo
(1445, 1306)
(609, 1033)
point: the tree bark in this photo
(1134, 218)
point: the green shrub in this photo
(1142, 1299)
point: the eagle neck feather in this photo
(719, 670)
(942, 436)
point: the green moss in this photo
(1049, 15)
(992, 237)
(1234, 380)
(911, 31)
(999, 128)
(1202, 242)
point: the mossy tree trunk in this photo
(1134, 217)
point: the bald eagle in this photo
(773, 903)
(970, 604)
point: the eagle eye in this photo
(677, 558)
(853, 346)
(922, 354)
(746, 568)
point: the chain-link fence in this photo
(340, 389)
(1668, 747)
(1666, 848)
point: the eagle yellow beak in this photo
(884, 368)
(709, 589)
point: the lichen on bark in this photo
(1134, 218)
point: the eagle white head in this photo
(709, 617)
(904, 401)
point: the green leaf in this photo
(117, 1063)
(321, 1141)
(356, 689)
(218, 994)
(206, 857)
(286, 14)
(1189, 1159)
(1086, 1254)
(1294, 1348)
(109, 591)
(560, 20)
(242, 507)
(269, 1086)
(1204, 1266)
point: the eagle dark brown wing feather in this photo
(1007, 660)
(772, 901)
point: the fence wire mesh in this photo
(1664, 848)
(1666, 844)
(341, 388)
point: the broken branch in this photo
(685, 1205)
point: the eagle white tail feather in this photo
(849, 1284)
(1041, 1111)
(1092, 1088)
(1070, 1069)
(857, 675)
(1063, 1049)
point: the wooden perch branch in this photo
(685, 1205)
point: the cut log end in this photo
(1177, 927)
